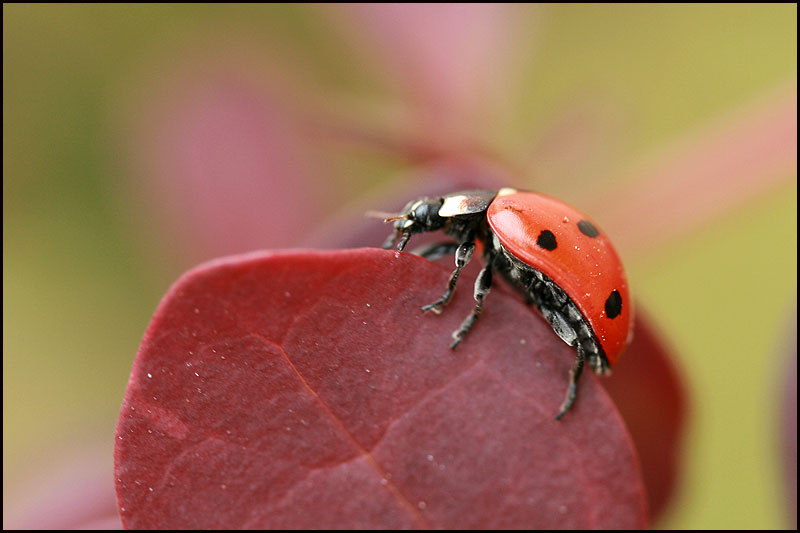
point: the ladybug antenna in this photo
(387, 217)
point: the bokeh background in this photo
(139, 140)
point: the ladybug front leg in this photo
(483, 285)
(463, 255)
(574, 375)
(400, 237)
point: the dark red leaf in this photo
(307, 390)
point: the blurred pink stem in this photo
(703, 175)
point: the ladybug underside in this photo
(554, 305)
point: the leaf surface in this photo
(307, 390)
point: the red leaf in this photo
(307, 390)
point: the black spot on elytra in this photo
(614, 305)
(588, 229)
(547, 240)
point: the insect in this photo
(550, 252)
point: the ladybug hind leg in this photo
(572, 388)
(464, 253)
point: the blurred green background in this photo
(81, 279)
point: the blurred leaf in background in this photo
(141, 139)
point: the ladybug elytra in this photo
(550, 252)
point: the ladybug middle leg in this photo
(463, 255)
(483, 284)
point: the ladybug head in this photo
(418, 216)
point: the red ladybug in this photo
(549, 251)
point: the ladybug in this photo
(550, 252)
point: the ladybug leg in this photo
(574, 375)
(436, 251)
(463, 255)
(483, 285)
(390, 240)
(399, 237)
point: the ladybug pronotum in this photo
(550, 252)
